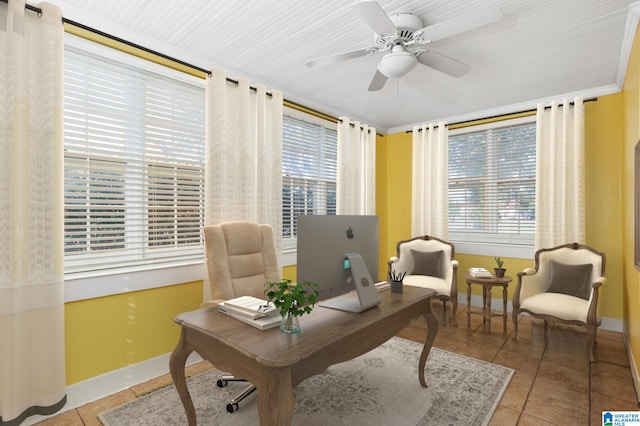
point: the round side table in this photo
(487, 285)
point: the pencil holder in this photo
(395, 279)
(396, 286)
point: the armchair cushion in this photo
(427, 263)
(570, 279)
(561, 306)
(425, 281)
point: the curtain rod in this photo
(147, 50)
(340, 120)
(510, 114)
(137, 46)
(121, 40)
(172, 59)
(186, 64)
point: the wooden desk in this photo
(276, 362)
(487, 285)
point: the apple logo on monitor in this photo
(350, 233)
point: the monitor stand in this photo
(364, 297)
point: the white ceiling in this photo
(539, 50)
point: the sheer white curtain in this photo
(356, 180)
(560, 173)
(243, 169)
(32, 363)
(430, 181)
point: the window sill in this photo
(82, 288)
(109, 284)
(89, 287)
(289, 257)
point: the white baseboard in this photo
(98, 387)
(610, 324)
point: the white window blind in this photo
(309, 169)
(492, 183)
(134, 164)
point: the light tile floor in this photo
(554, 382)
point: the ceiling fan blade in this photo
(467, 21)
(443, 63)
(377, 82)
(371, 13)
(334, 59)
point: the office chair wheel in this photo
(221, 383)
(232, 407)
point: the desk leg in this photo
(275, 398)
(432, 330)
(176, 366)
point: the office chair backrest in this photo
(241, 258)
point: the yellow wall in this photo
(603, 155)
(631, 292)
(289, 273)
(108, 333)
(396, 177)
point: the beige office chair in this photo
(241, 258)
(562, 287)
(428, 262)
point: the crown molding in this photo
(630, 27)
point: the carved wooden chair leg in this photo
(591, 332)
(454, 311)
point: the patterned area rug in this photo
(377, 388)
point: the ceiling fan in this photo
(405, 41)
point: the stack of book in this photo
(480, 273)
(253, 311)
(382, 285)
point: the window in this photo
(134, 162)
(492, 183)
(309, 168)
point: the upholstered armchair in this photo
(428, 262)
(241, 258)
(562, 287)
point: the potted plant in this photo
(499, 271)
(291, 301)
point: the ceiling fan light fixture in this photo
(397, 63)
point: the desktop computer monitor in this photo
(324, 242)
